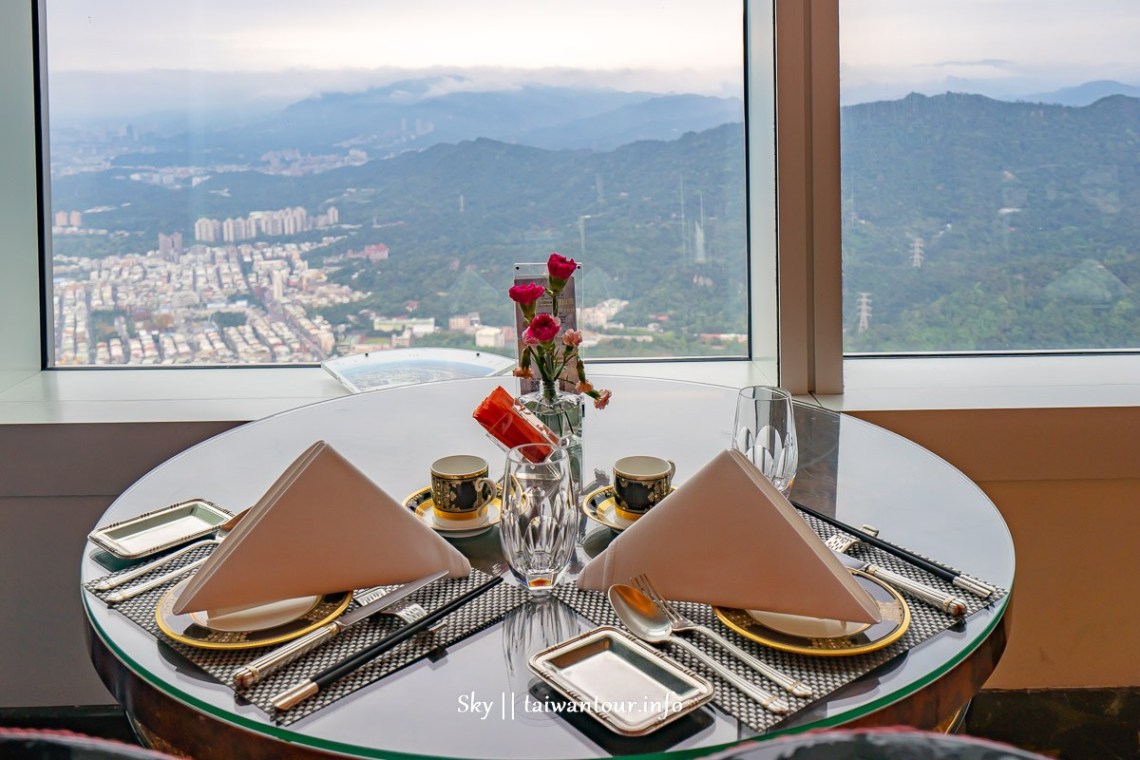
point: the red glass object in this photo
(511, 424)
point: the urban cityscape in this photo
(239, 302)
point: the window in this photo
(990, 175)
(276, 182)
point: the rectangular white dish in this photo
(161, 529)
(629, 687)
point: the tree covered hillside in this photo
(974, 224)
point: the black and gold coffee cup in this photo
(460, 487)
(640, 482)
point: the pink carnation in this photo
(544, 327)
(572, 338)
(560, 267)
(526, 294)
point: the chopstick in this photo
(961, 580)
(302, 690)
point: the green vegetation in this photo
(1028, 217)
(971, 224)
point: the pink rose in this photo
(572, 338)
(544, 327)
(526, 294)
(560, 267)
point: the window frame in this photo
(804, 353)
(764, 338)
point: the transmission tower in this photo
(684, 239)
(916, 253)
(864, 304)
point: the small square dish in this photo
(629, 687)
(161, 529)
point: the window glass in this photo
(283, 181)
(990, 175)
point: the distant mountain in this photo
(1084, 94)
(1010, 91)
(659, 118)
(415, 114)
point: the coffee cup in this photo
(640, 482)
(460, 487)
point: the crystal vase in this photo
(562, 412)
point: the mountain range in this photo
(414, 114)
(970, 223)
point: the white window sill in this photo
(998, 382)
(109, 396)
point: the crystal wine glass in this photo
(765, 432)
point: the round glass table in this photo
(855, 471)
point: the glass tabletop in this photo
(479, 699)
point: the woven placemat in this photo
(824, 674)
(474, 616)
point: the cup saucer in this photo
(420, 503)
(601, 507)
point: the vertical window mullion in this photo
(807, 149)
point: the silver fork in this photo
(681, 623)
(948, 603)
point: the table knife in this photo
(948, 603)
(252, 672)
(302, 690)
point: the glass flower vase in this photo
(560, 411)
(563, 413)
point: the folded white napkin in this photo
(728, 537)
(322, 527)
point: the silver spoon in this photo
(647, 622)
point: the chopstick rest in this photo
(310, 686)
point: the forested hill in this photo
(1027, 218)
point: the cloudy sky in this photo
(281, 50)
(250, 35)
(890, 47)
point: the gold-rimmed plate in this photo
(246, 628)
(601, 507)
(858, 639)
(420, 503)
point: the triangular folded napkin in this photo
(322, 527)
(728, 537)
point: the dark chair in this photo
(875, 744)
(39, 744)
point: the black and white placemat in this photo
(474, 616)
(824, 674)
